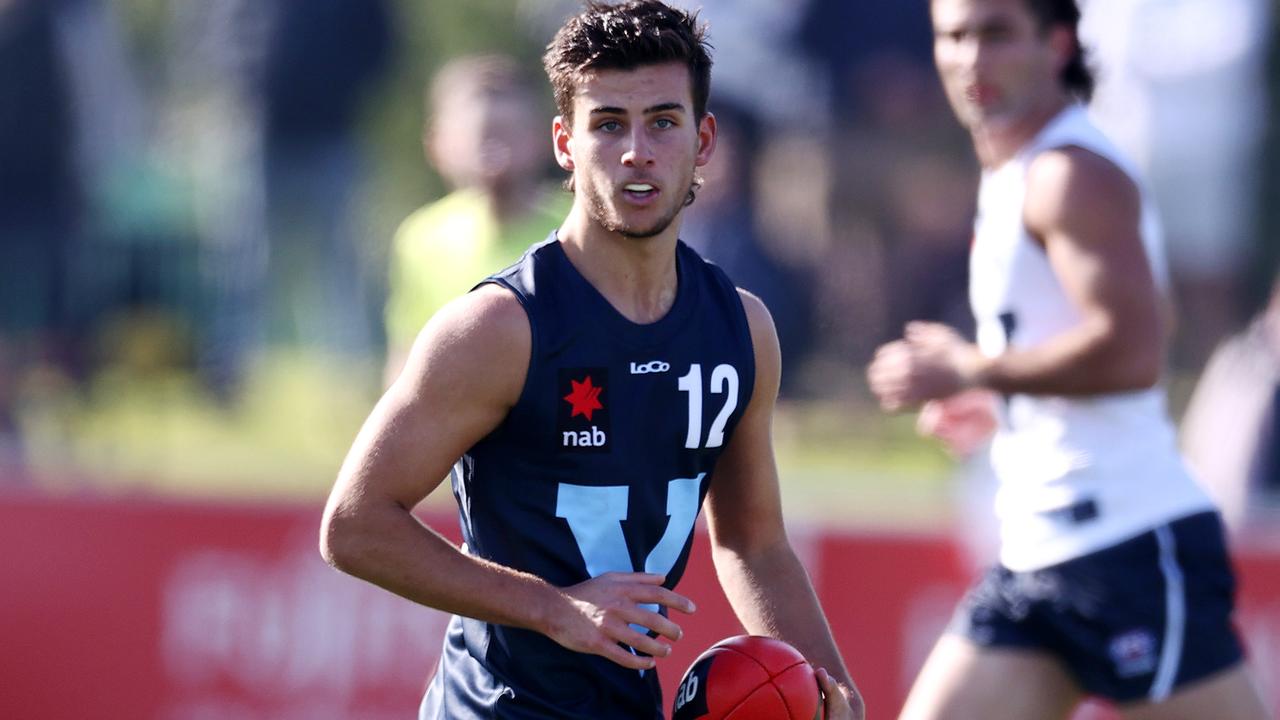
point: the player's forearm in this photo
(772, 595)
(390, 548)
(1089, 359)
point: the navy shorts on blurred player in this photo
(1131, 622)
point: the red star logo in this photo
(585, 398)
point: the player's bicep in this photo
(464, 373)
(1087, 212)
(744, 507)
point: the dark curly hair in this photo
(625, 36)
(1076, 77)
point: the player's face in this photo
(997, 65)
(486, 140)
(634, 147)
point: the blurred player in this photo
(588, 398)
(1113, 580)
(1240, 389)
(480, 140)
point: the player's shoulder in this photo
(1064, 183)
(489, 311)
(487, 327)
(764, 335)
(480, 341)
(1076, 168)
(757, 312)
(477, 346)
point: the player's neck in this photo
(636, 275)
(998, 142)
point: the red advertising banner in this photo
(145, 609)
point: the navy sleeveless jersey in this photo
(600, 466)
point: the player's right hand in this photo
(930, 362)
(838, 701)
(600, 613)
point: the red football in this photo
(748, 677)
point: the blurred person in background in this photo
(1231, 430)
(554, 390)
(480, 140)
(906, 258)
(265, 104)
(69, 121)
(214, 134)
(41, 204)
(887, 29)
(1113, 578)
(723, 228)
(322, 60)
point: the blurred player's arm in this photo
(763, 579)
(1086, 213)
(462, 377)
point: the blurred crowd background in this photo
(221, 221)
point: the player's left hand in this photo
(963, 422)
(602, 616)
(839, 701)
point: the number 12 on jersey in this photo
(724, 381)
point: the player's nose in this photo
(639, 149)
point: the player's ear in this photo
(428, 147)
(435, 144)
(562, 139)
(1062, 39)
(706, 139)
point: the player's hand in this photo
(602, 611)
(963, 422)
(840, 702)
(931, 361)
(890, 375)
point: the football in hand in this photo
(748, 677)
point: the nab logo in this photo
(582, 415)
(653, 366)
(594, 437)
(691, 696)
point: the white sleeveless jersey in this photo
(1076, 474)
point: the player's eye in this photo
(664, 123)
(610, 126)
